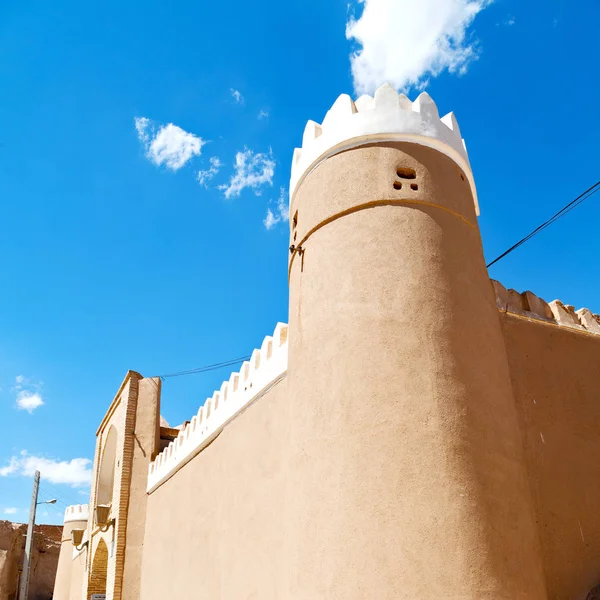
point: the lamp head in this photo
(77, 536)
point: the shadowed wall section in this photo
(556, 381)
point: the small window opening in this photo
(414, 186)
(397, 185)
(295, 220)
(462, 176)
(406, 173)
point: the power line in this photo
(561, 213)
(227, 363)
(64, 497)
(59, 494)
(60, 500)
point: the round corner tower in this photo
(406, 473)
(67, 583)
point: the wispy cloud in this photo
(29, 401)
(10, 511)
(204, 176)
(29, 396)
(167, 145)
(406, 41)
(237, 96)
(263, 114)
(252, 170)
(11, 468)
(76, 472)
(281, 211)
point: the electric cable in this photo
(561, 213)
(214, 367)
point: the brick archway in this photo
(97, 581)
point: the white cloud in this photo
(29, 394)
(271, 219)
(263, 114)
(407, 41)
(206, 175)
(237, 96)
(142, 124)
(29, 401)
(252, 170)
(10, 511)
(169, 145)
(76, 472)
(12, 467)
(280, 213)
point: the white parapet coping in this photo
(386, 117)
(76, 512)
(266, 366)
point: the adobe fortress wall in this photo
(554, 358)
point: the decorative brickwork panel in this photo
(97, 582)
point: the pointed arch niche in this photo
(97, 581)
(106, 474)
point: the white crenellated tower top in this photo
(388, 117)
(76, 512)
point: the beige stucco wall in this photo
(215, 529)
(556, 380)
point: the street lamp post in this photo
(24, 586)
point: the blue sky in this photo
(114, 256)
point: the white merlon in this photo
(387, 117)
(76, 512)
(266, 366)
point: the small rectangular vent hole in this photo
(406, 173)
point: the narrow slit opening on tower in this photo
(406, 173)
(397, 185)
(295, 220)
(414, 186)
